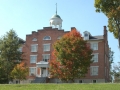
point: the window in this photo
(94, 46)
(95, 57)
(34, 47)
(46, 57)
(94, 81)
(86, 36)
(34, 39)
(94, 70)
(80, 81)
(32, 71)
(47, 38)
(20, 49)
(33, 58)
(46, 47)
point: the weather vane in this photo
(56, 8)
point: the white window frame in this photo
(20, 49)
(32, 73)
(93, 72)
(35, 47)
(93, 46)
(35, 60)
(86, 37)
(95, 57)
(34, 39)
(47, 38)
(44, 58)
(44, 45)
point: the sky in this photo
(25, 16)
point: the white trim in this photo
(46, 39)
(30, 58)
(33, 55)
(46, 45)
(97, 57)
(34, 44)
(92, 47)
(30, 72)
(36, 47)
(34, 39)
(94, 66)
(91, 72)
(45, 54)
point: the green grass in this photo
(75, 86)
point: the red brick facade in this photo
(54, 33)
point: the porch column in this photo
(46, 71)
(36, 71)
(40, 72)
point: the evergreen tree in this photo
(9, 53)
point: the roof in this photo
(21, 41)
(96, 37)
(56, 16)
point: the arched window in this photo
(34, 39)
(47, 38)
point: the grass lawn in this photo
(75, 86)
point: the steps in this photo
(39, 80)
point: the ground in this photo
(75, 86)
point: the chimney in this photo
(105, 30)
(105, 33)
(72, 28)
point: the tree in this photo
(9, 53)
(20, 72)
(111, 8)
(71, 57)
(111, 58)
(116, 72)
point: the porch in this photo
(42, 69)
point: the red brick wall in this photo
(54, 34)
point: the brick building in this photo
(38, 49)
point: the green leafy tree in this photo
(9, 53)
(71, 57)
(20, 72)
(111, 59)
(116, 72)
(111, 8)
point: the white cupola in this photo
(56, 21)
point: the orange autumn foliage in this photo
(20, 71)
(71, 57)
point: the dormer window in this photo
(86, 36)
(47, 38)
(34, 39)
